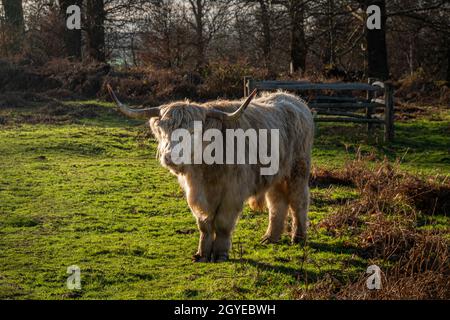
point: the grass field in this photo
(91, 193)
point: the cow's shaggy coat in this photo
(216, 193)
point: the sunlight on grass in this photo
(92, 194)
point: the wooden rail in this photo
(336, 108)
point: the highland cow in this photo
(216, 193)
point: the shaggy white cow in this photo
(216, 193)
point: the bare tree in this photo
(198, 10)
(264, 19)
(447, 40)
(427, 26)
(377, 57)
(14, 23)
(95, 29)
(298, 47)
(206, 18)
(72, 38)
(165, 38)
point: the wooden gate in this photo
(341, 108)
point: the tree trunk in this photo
(15, 23)
(267, 34)
(95, 19)
(448, 61)
(200, 41)
(72, 38)
(377, 58)
(330, 56)
(298, 42)
(198, 11)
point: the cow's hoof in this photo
(221, 258)
(200, 259)
(299, 239)
(268, 239)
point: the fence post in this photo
(369, 111)
(389, 133)
(251, 85)
(247, 80)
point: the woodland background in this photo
(203, 48)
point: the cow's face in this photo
(165, 128)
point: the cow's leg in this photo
(258, 202)
(299, 210)
(278, 207)
(299, 202)
(205, 245)
(224, 224)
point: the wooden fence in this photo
(341, 108)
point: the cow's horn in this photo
(235, 115)
(133, 113)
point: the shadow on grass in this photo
(337, 249)
(297, 273)
(321, 203)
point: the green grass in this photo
(91, 194)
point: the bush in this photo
(384, 221)
(224, 79)
(150, 86)
(419, 88)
